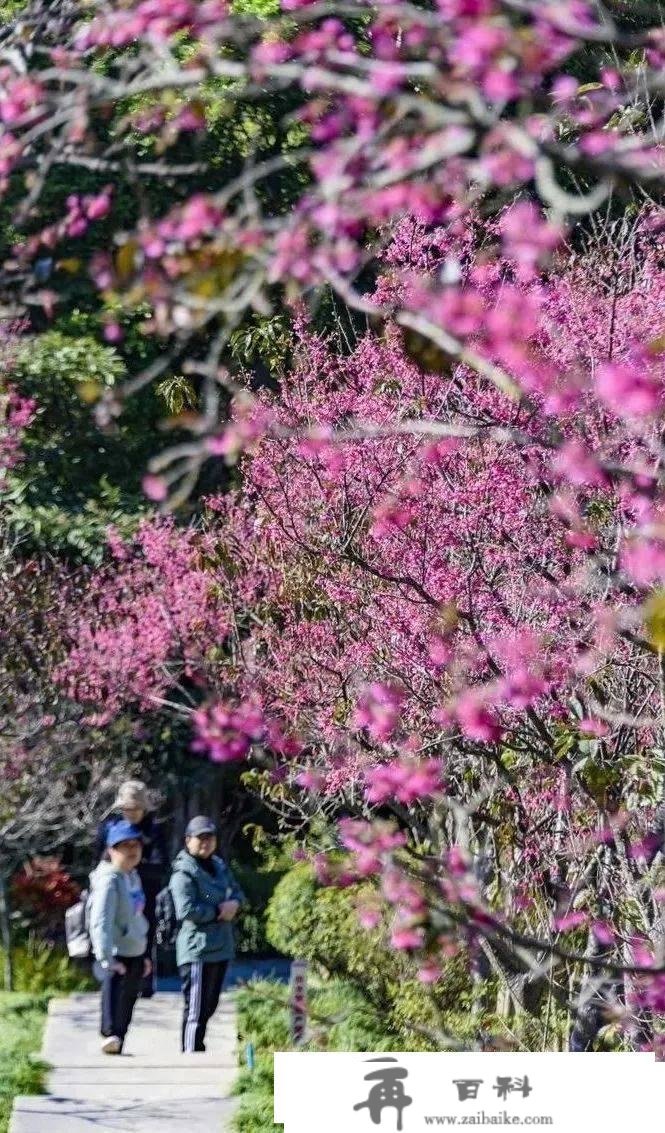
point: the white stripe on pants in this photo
(194, 1013)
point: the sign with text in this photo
(414, 1092)
(298, 999)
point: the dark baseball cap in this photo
(200, 825)
(122, 831)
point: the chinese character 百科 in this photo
(505, 1086)
(467, 1087)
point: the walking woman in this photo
(133, 802)
(206, 897)
(119, 931)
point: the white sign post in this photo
(298, 1001)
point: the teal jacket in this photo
(117, 923)
(197, 896)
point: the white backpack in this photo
(77, 929)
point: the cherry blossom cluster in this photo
(404, 111)
(226, 733)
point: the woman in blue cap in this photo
(135, 803)
(206, 897)
(119, 930)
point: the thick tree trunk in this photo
(6, 933)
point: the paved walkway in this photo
(151, 1088)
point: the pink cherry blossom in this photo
(226, 733)
(403, 780)
(378, 710)
(628, 389)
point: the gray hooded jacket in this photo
(116, 922)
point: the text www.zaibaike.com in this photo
(482, 1118)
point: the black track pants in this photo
(201, 987)
(119, 994)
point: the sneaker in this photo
(112, 1045)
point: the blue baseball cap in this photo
(122, 831)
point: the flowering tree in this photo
(54, 775)
(448, 543)
(439, 631)
(400, 108)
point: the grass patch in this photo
(40, 971)
(340, 1019)
(22, 1019)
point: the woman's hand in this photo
(228, 910)
(147, 966)
(119, 967)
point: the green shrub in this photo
(260, 1078)
(383, 1003)
(321, 925)
(262, 1014)
(262, 1020)
(258, 886)
(259, 8)
(291, 919)
(423, 1013)
(255, 1111)
(343, 1019)
(41, 967)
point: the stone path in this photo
(151, 1088)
